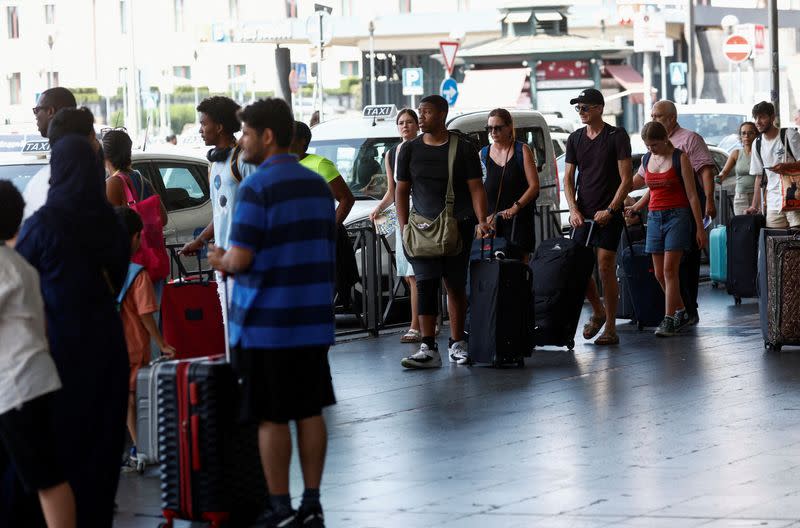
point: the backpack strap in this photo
(237, 174)
(758, 152)
(484, 154)
(786, 143)
(676, 164)
(519, 155)
(133, 272)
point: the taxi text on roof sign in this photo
(381, 111)
(36, 146)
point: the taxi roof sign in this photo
(385, 111)
(36, 147)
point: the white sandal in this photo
(411, 336)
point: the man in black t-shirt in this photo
(601, 153)
(422, 173)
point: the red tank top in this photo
(666, 191)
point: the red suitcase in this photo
(191, 315)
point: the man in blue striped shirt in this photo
(282, 252)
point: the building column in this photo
(594, 68)
(533, 62)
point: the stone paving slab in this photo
(698, 430)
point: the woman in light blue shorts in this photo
(408, 126)
(673, 200)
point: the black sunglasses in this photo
(582, 109)
(37, 109)
(106, 130)
(497, 128)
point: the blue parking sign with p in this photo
(301, 69)
(412, 81)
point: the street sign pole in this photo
(319, 68)
(690, 59)
(647, 73)
(372, 62)
(775, 86)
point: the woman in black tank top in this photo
(512, 183)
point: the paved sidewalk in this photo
(698, 430)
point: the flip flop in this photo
(594, 325)
(412, 336)
(607, 339)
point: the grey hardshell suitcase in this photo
(779, 287)
(147, 415)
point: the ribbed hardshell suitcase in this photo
(779, 287)
(147, 415)
(210, 466)
(500, 298)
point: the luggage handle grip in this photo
(183, 273)
(589, 236)
(491, 240)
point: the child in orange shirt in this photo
(137, 304)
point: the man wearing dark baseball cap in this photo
(602, 155)
(589, 96)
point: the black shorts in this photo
(453, 269)
(280, 385)
(605, 237)
(28, 437)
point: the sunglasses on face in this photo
(37, 109)
(582, 109)
(106, 130)
(490, 129)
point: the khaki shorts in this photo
(779, 220)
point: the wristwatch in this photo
(611, 211)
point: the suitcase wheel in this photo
(772, 347)
(640, 326)
(521, 363)
(737, 300)
(571, 344)
(715, 285)
(140, 466)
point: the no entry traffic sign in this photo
(737, 49)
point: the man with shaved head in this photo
(49, 103)
(696, 149)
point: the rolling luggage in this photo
(743, 233)
(645, 291)
(210, 466)
(624, 303)
(500, 298)
(191, 314)
(562, 269)
(779, 287)
(718, 246)
(147, 415)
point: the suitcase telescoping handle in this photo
(183, 274)
(226, 317)
(589, 236)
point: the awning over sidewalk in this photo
(629, 79)
(483, 89)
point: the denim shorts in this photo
(669, 230)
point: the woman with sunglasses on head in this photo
(739, 164)
(512, 184)
(408, 127)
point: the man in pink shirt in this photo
(696, 149)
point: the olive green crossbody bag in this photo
(439, 237)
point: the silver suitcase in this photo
(147, 415)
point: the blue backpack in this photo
(517, 155)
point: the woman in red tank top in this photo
(673, 201)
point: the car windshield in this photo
(713, 127)
(19, 175)
(360, 162)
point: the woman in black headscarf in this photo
(81, 252)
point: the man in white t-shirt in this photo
(50, 102)
(218, 123)
(768, 150)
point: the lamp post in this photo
(196, 89)
(372, 61)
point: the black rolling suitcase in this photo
(562, 269)
(210, 466)
(500, 301)
(646, 294)
(743, 233)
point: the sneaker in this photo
(458, 353)
(666, 328)
(426, 357)
(310, 517)
(681, 319)
(272, 519)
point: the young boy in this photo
(28, 376)
(137, 302)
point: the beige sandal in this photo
(607, 339)
(594, 325)
(411, 336)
